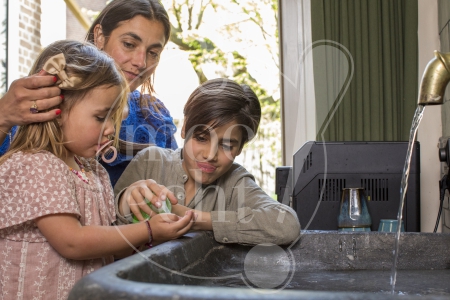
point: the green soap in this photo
(166, 207)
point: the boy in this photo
(221, 116)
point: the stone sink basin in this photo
(320, 265)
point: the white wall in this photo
(53, 21)
(13, 41)
(430, 128)
(52, 25)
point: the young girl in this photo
(133, 33)
(221, 116)
(56, 200)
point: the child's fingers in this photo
(170, 226)
(169, 218)
(159, 193)
(154, 193)
(184, 224)
(172, 198)
(134, 208)
(136, 202)
(149, 196)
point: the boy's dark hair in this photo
(218, 102)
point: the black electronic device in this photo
(322, 169)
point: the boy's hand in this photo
(135, 196)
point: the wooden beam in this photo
(75, 9)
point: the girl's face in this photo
(209, 156)
(135, 45)
(87, 126)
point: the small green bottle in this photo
(166, 207)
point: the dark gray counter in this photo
(321, 265)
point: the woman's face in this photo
(135, 45)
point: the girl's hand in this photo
(202, 219)
(135, 196)
(22, 94)
(167, 227)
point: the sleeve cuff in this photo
(127, 218)
(224, 225)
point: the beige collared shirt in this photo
(241, 211)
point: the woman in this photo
(133, 33)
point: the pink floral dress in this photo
(35, 185)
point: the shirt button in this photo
(185, 177)
(225, 240)
(180, 196)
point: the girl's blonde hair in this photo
(96, 69)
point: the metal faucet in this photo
(435, 79)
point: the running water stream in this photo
(404, 187)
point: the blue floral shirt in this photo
(5, 146)
(145, 126)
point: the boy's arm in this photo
(252, 217)
(136, 186)
(134, 172)
(138, 195)
(127, 178)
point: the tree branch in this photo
(200, 14)
(258, 21)
(177, 13)
(174, 38)
(189, 8)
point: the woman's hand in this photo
(22, 94)
(136, 197)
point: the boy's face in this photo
(208, 156)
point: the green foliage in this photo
(187, 17)
(263, 154)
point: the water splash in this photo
(403, 188)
